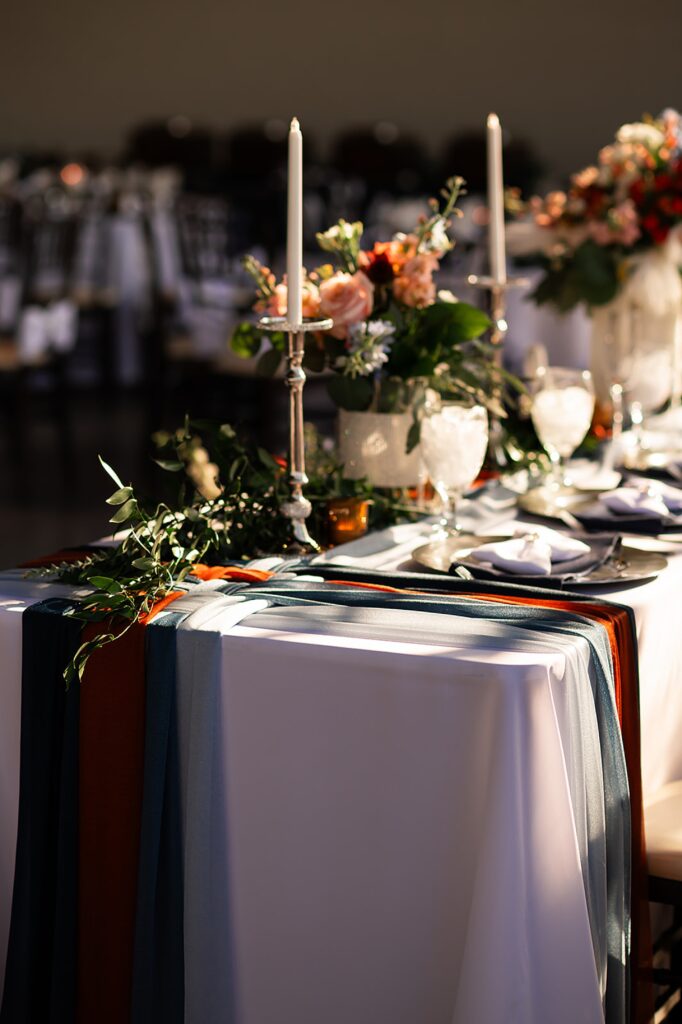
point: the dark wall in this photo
(78, 73)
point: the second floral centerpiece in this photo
(395, 336)
(613, 243)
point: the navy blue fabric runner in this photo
(40, 975)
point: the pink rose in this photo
(348, 299)
(276, 304)
(415, 285)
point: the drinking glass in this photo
(454, 443)
(640, 364)
(562, 408)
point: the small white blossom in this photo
(648, 134)
(366, 348)
(437, 240)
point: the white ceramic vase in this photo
(372, 445)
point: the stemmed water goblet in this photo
(561, 410)
(640, 368)
(454, 443)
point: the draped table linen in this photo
(370, 833)
(299, 874)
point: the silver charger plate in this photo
(550, 504)
(627, 565)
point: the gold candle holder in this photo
(347, 519)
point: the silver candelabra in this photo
(297, 508)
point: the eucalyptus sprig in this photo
(225, 508)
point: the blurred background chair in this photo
(663, 817)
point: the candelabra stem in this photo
(297, 508)
(495, 293)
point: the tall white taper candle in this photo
(295, 225)
(496, 248)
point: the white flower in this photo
(647, 134)
(344, 231)
(367, 347)
(437, 240)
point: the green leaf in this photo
(120, 496)
(102, 582)
(170, 465)
(146, 564)
(246, 340)
(314, 358)
(267, 460)
(268, 363)
(413, 435)
(352, 395)
(107, 469)
(455, 321)
(125, 512)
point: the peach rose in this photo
(415, 285)
(276, 305)
(348, 299)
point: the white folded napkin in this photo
(672, 496)
(528, 555)
(531, 552)
(632, 500)
(563, 546)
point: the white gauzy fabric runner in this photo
(355, 809)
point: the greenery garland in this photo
(226, 509)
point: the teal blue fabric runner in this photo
(158, 994)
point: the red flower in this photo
(637, 191)
(382, 263)
(663, 182)
(666, 204)
(658, 232)
(379, 268)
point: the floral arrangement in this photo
(394, 333)
(595, 239)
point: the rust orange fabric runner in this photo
(112, 725)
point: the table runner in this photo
(619, 621)
(40, 976)
(281, 592)
(267, 621)
(614, 772)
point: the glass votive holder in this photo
(347, 519)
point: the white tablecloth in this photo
(402, 830)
